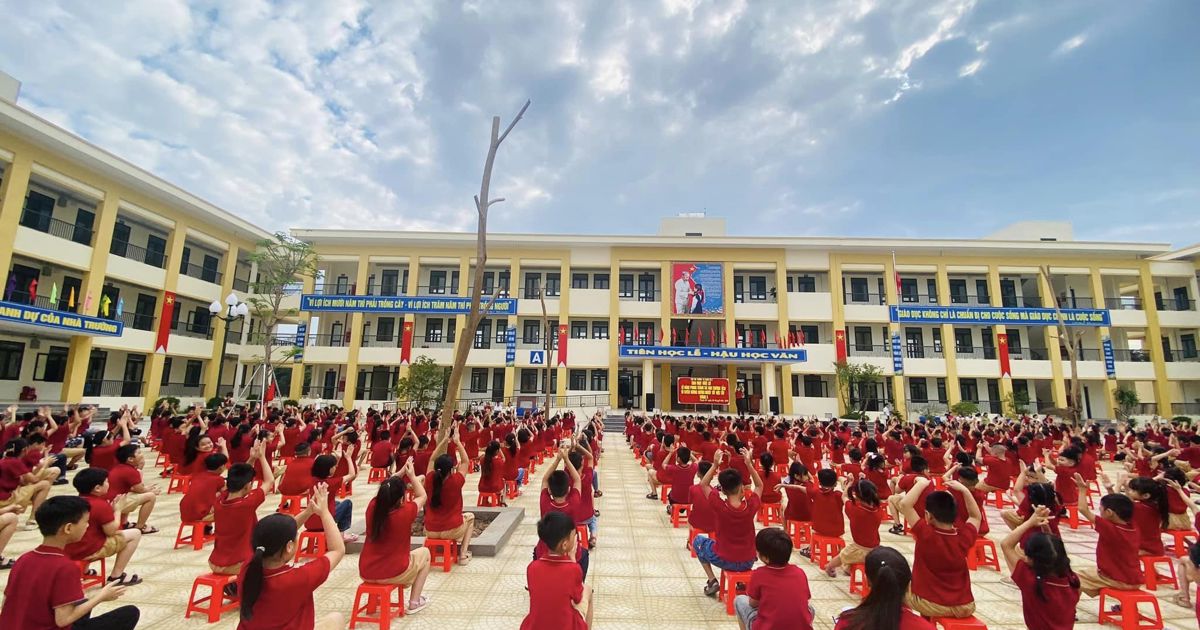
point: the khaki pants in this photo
(1090, 582)
(418, 560)
(853, 553)
(22, 496)
(930, 609)
(454, 534)
(113, 545)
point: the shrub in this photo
(172, 401)
(964, 408)
(214, 402)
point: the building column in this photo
(665, 386)
(1053, 348)
(211, 386)
(837, 298)
(356, 323)
(296, 386)
(731, 327)
(768, 387)
(953, 392)
(614, 320)
(564, 310)
(1110, 384)
(79, 353)
(410, 290)
(899, 395)
(154, 364)
(648, 387)
(510, 371)
(731, 373)
(1006, 384)
(1162, 387)
(783, 326)
(13, 190)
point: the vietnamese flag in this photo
(724, 340)
(778, 343)
(164, 322)
(406, 338)
(1002, 353)
(270, 395)
(762, 337)
(662, 335)
(712, 337)
(839, 343)
(673, 336)
(562, 344)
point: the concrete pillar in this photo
(356, 322)
(13, 190)
(154, 364)
(1162, 387)
(80, 350)
(211, 385)
(953, 393)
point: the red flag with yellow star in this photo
(164, 322)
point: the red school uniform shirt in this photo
(909, 620)
(681, 478)
(769, 493)
(448, 514)
(286, 600)
(1117, 552)
(999, 474)
(880, 479)
(827, 512)
(334, 484)
(779, 448)
(587, 502)
(555, 583)
(233, 520)
(940, 573)
(297, 477)
(122, 479)
(569, 506)
(701, 516)
(1055, 608)
(201, 495)
(42, 579)
(799, 503)
(782, 595)
(11, 469)
(864, 524)
(104, 456)
(1148, 521)
(906, 483)
(100, 514)
(735, 527)
(387, 556)
(381, 454)
(493, 482)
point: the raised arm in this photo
(968, 499)
(575, 479)
(908, 503)
(334, 545)
(1010, 546)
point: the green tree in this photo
(1016, 403)
(964, 408)
(1126, 398)
(856, 384)
(425, 384)
(283, 262)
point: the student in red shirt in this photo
(277, 594)
(125, 482)
(44, 592)
(491, 470)
(865, 514)
(197, 503)
(382, 452)
(104, 538)
(888, 578)
(797, 486)
(733, 547)
(1117, 563)
(1049, 589)
(777, 596)
(1150, 513)
(681, 473)
(999, 473)
(19, 485)
(941, 581)
(444, 515)
(387, 555)
(234, 516)
(558, 598)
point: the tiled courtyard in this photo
(641, 572)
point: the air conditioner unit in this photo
(63, 200)
(35, 343)
(47, 270)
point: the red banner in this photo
(164, 322)
(1002, 352)
(694, 390)
(406, 343)
(562, 345)
(839, 345)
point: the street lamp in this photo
(234, 310)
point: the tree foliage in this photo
(1125, 398)
(425, 384)
(283, 263)
(1016, 403)
(856, 383)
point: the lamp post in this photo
(234, 310)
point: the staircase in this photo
(614, 423)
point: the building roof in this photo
(1191, 252)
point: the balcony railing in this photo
(133, 252)
(1025, 301)
(41, 301)
(1134, 356)
(391, 340)
(1180, 356)
(1145, 409)
(918, 352)
(975, 352)
(1175, 304)
(1186, 408)
(987, 406)
(917, 298)
(128, 389)
(338, 340)
(439, 341)
(865, 350)
(1027, 354)
(534, 292)
(437, 289)
(387, 288)
(769, 296)
(639, 295)
(200, 272)
(970, 298)
(324, 393)
(241, 285)
(62, 229)
(1124, 303)
(138, 321)
(863, 297)
(1075, 302)
(182, 389)
(193, 329)
(1085, 354)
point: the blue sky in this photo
(860, 117)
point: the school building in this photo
(105, 263)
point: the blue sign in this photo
(510, 346)
(301, 338)
(1110, 358)
(400, 304)
(757, 355)
(60, 320)
(897, 355)
(990, 315)
(537, 357)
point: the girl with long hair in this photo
(865, 515)
(491, 469)
(1150, 513)
(1042, 570)
(444, 480)
(324, 471)
(888, 577)
(387, 555)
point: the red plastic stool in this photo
(998, 499)
(488, 499)
(1129, 617)
(179, 483)
(198, 538)
(825, 548)
(292, 504)
(666, 490)
(510, 488)
(345, 490)
(953, 623)
(679, 512)
(162, 460)
(1153, 579)
(800, 531)
(378, 597)
(583, 534)
(377, 475)
(769, 513)
(216, 603)
(90, 581)
(1073, 518)
(443, 552)
(692, 533)
(858, 580)
(979, 556)
(311, 546)
(1181, 536)
(728, 587)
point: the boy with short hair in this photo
(1117, 563)
(941, 582)
(104, 538)
(920, 469)
(733, 548)
(777, 595)
(44, 591)
(561, 492)
(197, 503)
(558, 598)
(125, 483)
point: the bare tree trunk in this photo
(547, 345)
(482, 203)
(1072, 341)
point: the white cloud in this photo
(971, 68)
(1070, 44)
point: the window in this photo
(579, 330)
(1187, 346)
(599, 330)
(433, 331)
(120, 239)
(483, 334)
(532, 332)
(11, 354)
(1014, 341)
(958, 291)
(451, 325)
(577, 380)
(987, 343)
(981, 292)
(529, 381)
(533, 285)
(806, 284)
(51, 367)
(758, 287)
(646, 288)
(969, 390)
(937, 339)
(645, 333)
(962, 340)
(579, 281)
(862, 339)
(599, 380)
(387, 327)
(503, 283)
(185, 259)
(437, 282)
(553, 284)
(454, 282)
(805, 333)
(625, 285)
(39, 209)
(917, 390)
(479, 380)
(1008, 293)
(941, 390)
(85, 220)
(600, 281)
(931, 289)
(552, 333)
(814, 387)
(908, 290)
(858, 290)
(166, 375)
(192, 372)
(789, 284)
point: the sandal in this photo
(464, 559)
(148, 529)
(126, 580)
(90, 573)
(1183, 600)
(652, 496)
(711, 588)
(6, 564)
(597, 494)
(417, 606)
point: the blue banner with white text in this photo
(59, 320)
(1110, 357)
(510, 346)
(897, 355)
(757, 355)
(997, 315)
(301, 338)
(400, 304)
